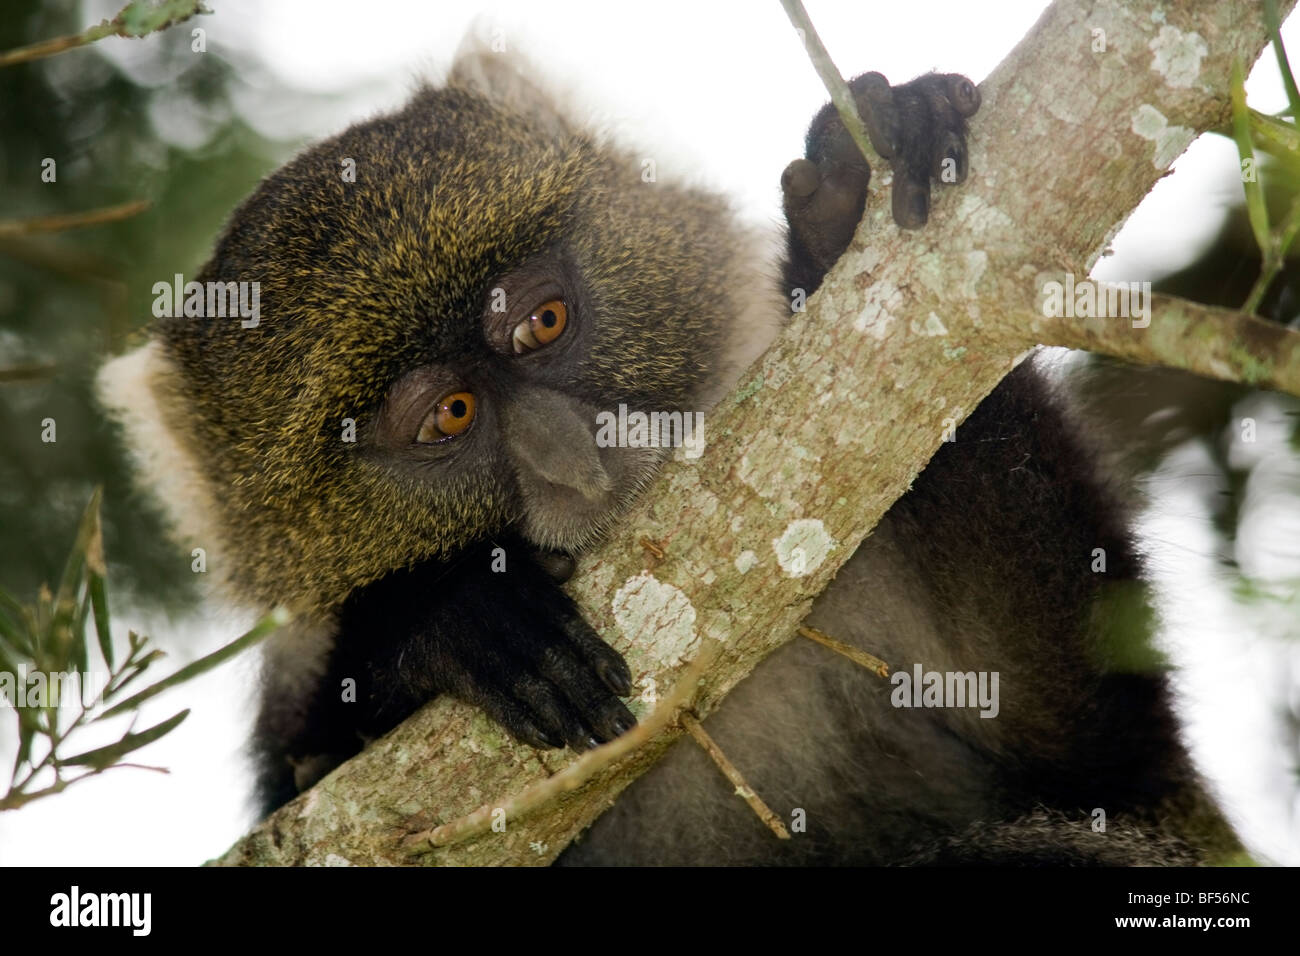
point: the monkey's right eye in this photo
(543, 327)
(450, 417)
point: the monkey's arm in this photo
(508, 640)
(494, 630)
(920, 127)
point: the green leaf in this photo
(27, 728)
(141, 17)
(267, 625)
(42, 612)
(1275, 137)
(136, 668)
(77, 634)
(1273, 22)
(1255, 208)
(16, 624)
(97, 594)
(11, 640)
(70, 582)
(103, 757)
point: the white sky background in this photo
(721, 92)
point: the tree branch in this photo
(908, 333)
(1213, 342)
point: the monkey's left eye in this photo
(452, 415)
(543, 327)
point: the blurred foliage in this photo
(68, 300)
(1147, 414)
(45, 642)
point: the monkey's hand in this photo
(494, 628)
(920, 127)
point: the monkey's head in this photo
(448, 296)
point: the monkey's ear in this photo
(482, 64)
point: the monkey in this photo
(415, 405)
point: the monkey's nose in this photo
(547, 434)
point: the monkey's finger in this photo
(603, 713)
(962, 94)
(800, 179)
(911, 199)
(551, 713)
(512, 714)
(836, 208)
(499, 684)
(950, 160)
(875, 101)
(599, 656)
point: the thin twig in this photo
(72, 220)
(44, 48)
(577, 773)
(141, 24)
(13, 800)
(34, 372)
(869, 661)
(1274, 258)
(652, 547)
(743, 789)
(1273, 21)
(831, 78)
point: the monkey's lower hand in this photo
(497, 631)
(920, 127)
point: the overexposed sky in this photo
(724, 89)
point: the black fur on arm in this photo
(508, 640)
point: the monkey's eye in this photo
(450, 417)
(543, 327)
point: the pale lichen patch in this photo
(981, 217)
(657, 616)
(803, 546)
(1177, 56)
(933, 325)
(1149, 123)
(877, 311)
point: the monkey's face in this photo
(449, 298)
(519, 399)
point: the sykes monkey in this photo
(436, 339)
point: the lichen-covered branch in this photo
(1215, 343)
(908, 333)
